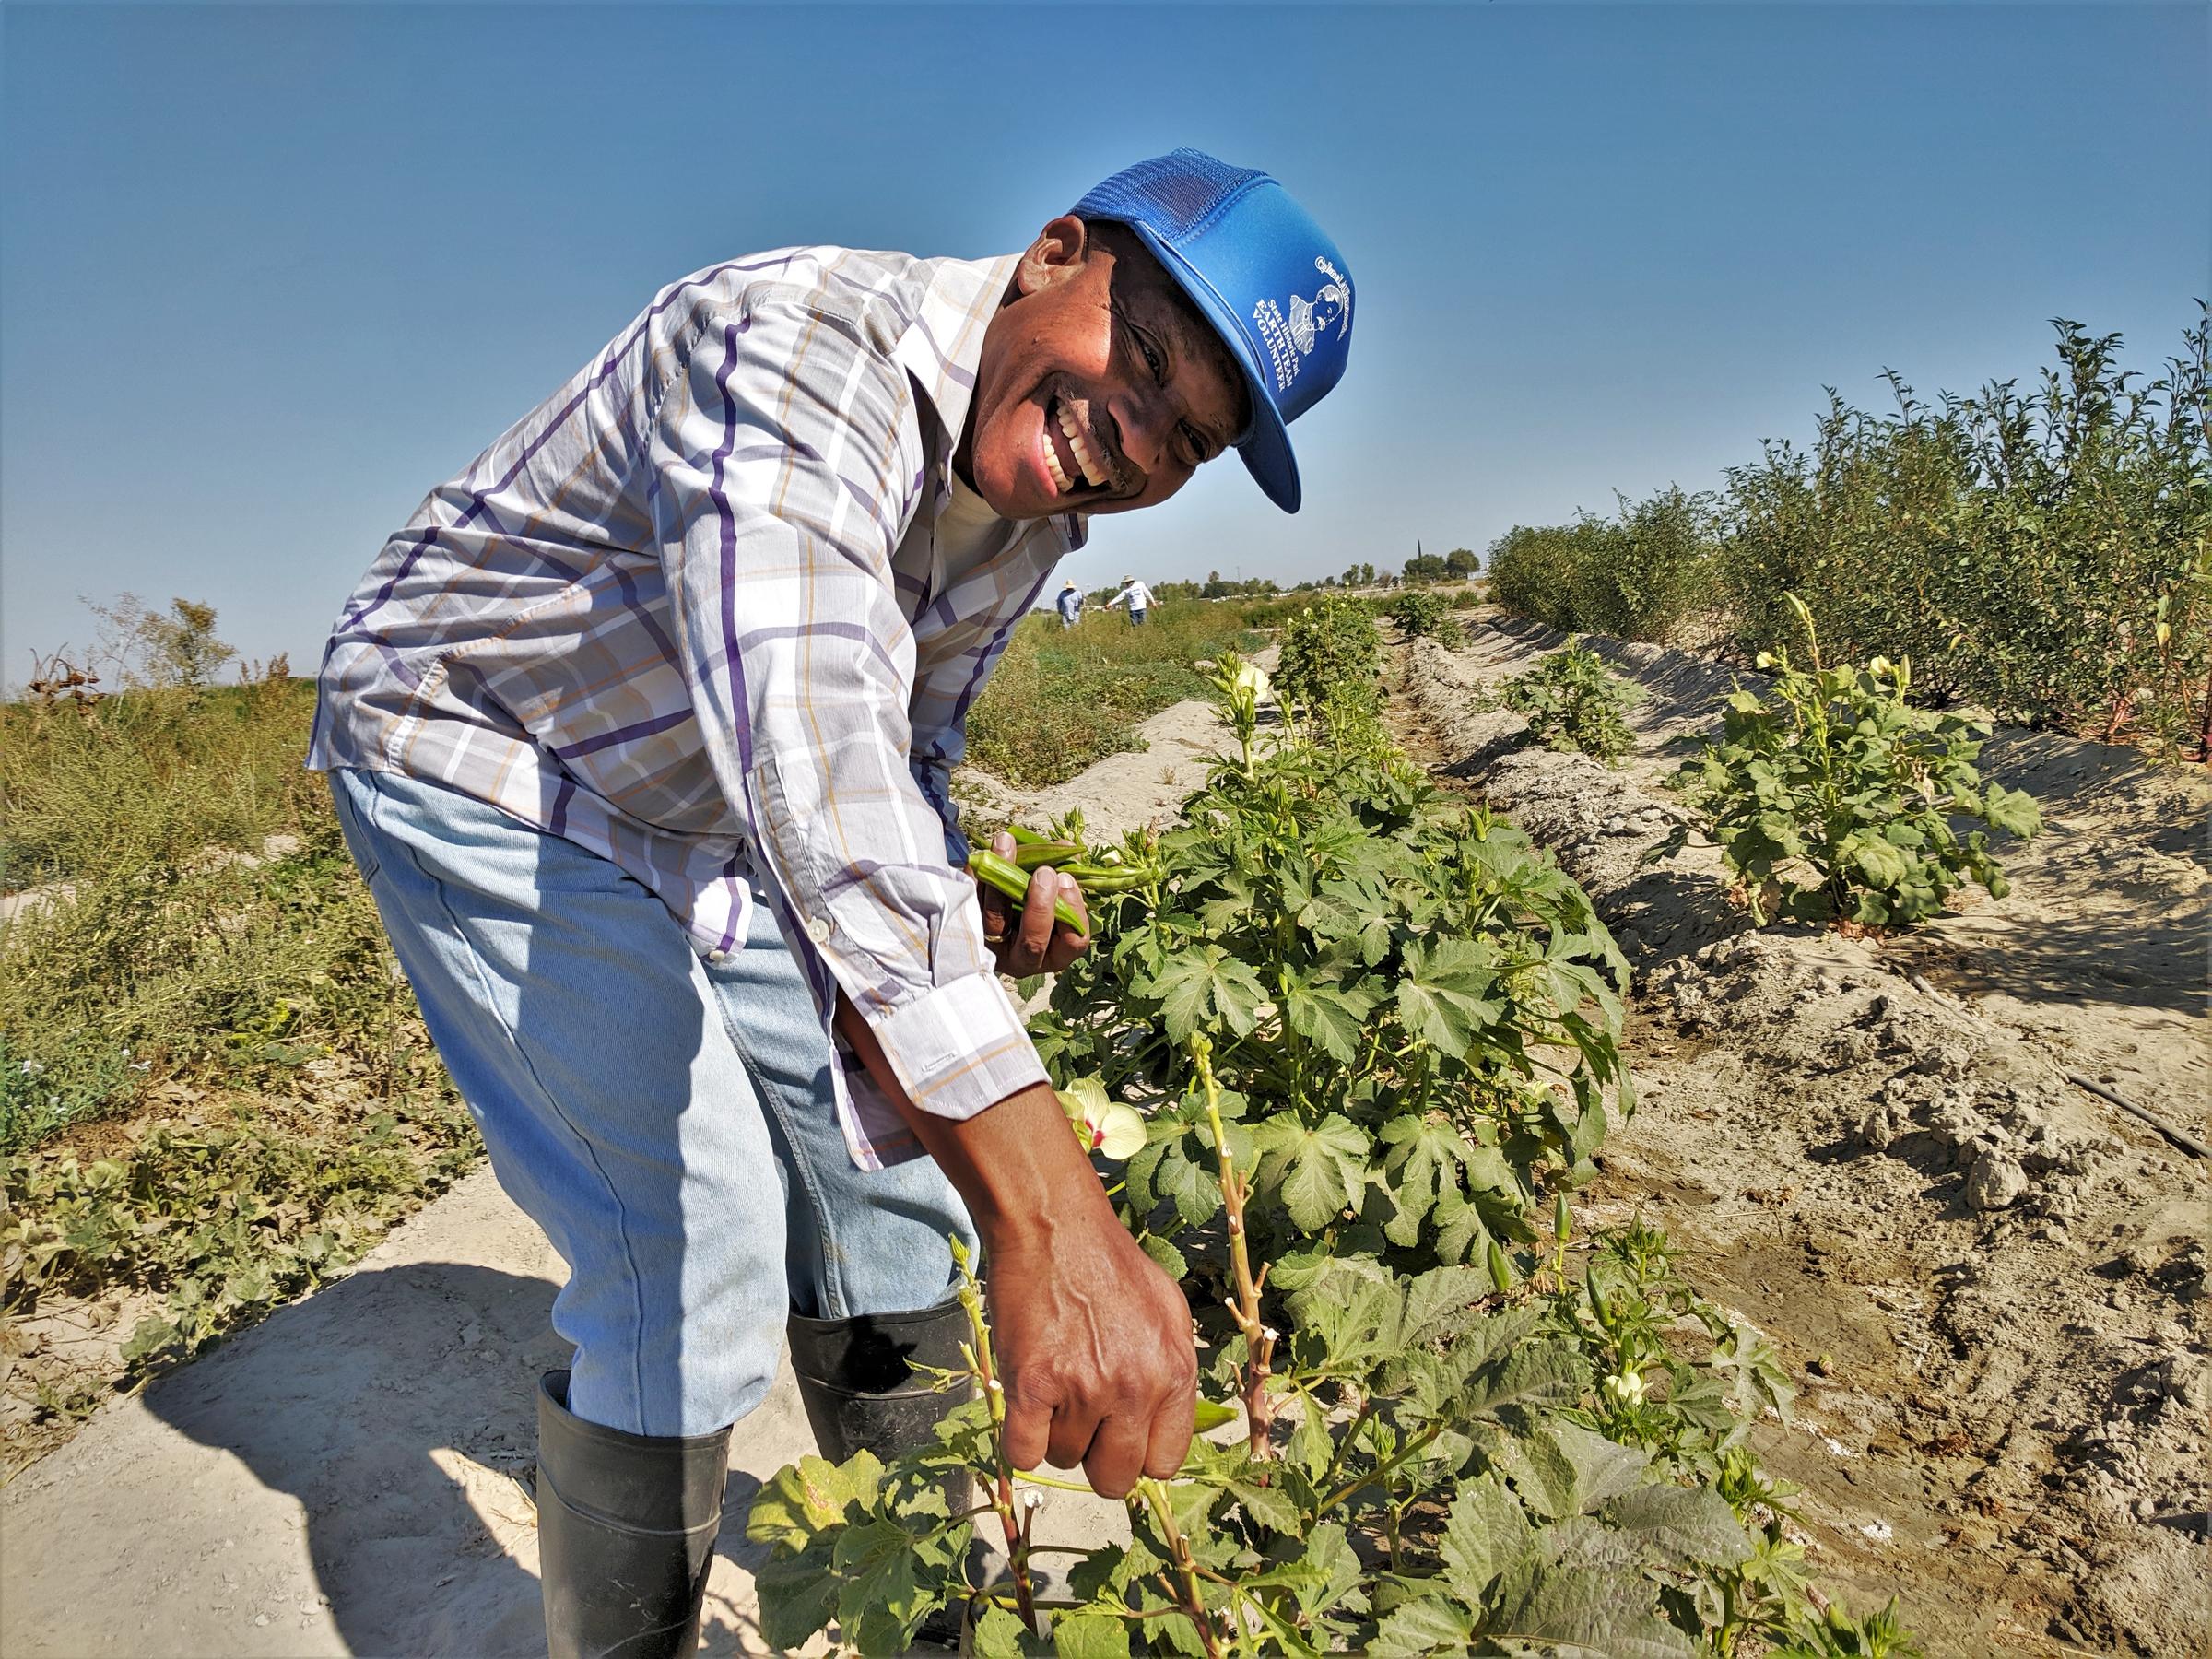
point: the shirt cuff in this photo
(960, 1048)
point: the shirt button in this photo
(818, 930)
(715, 959)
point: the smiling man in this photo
(641, 732)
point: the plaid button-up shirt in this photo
(690, 613)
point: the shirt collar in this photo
(942, 348)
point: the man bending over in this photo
(641, 731)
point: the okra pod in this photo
(1029, 855)
(1014, 882)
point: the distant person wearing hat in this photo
(1136, 596)
(641, 731)
(1071, 604)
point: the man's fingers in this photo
(1117, 1457)
(1070, 1440)
(1072, 890)
(1036, 923)
(1029, 1428)
(1172, 1427)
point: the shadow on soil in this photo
(360, 1422)
(2078, 959)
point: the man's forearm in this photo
(1018, 1165)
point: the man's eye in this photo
(1152, 357)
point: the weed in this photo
(1063, 699)
(1329, 654)
(1420, 612)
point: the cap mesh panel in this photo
(1172, 193)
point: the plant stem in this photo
(1187, 1593)
(1002, 1497)
(1259, 1341)
(1419, 1444)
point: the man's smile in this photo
(1076, 456)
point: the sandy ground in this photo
(1991, 1281)
(342, 1478)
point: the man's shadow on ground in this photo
(398, 1407)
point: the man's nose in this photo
(1144, 423)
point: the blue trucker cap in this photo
(1261, 271)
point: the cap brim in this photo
(1267, 447)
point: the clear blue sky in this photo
(267, 272)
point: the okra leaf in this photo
(798, 1594)
(1434, 1624)
(1485, 1534)
(1681, 1526)
(1089, 1636)
(1333, 1017)
(1206, 987)
(1318, 1171)
(802, 1499)
(1575, 1614)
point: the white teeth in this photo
(1079, 440)
(1052, 464)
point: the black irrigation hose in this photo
(2180, 1138)
(2188, 1143)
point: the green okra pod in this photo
(1014, 882)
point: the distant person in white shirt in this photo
(1136, 596)
(1071, 604)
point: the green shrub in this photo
(2045, 555)
(223, 1219)
(1330, 653)
(1572, 702)
(1830, 773)
(1532, 570)
(1374, 1040)
(1420, 612)
(1643, 575)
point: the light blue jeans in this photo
(668, 1123)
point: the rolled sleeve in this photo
(960, 1048)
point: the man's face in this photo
(1101, 389)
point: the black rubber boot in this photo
(861, 1382)
(626, 1526)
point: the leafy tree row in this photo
(2045, 553)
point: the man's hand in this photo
(1094, 1348)
(1031, 940)
(1094, 1341)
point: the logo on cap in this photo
(1291, 339)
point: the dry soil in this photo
(1991, 1280)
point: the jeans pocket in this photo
(353, 797)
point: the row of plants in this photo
(215, 1088)
(1830, 797)
(1064, 698)
(1343, 1051)
(2046, 554)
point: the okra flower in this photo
(1102, 1126)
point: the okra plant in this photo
(1344, 1052)
(1832, 799)
(1572, 701)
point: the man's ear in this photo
(1057, 254)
